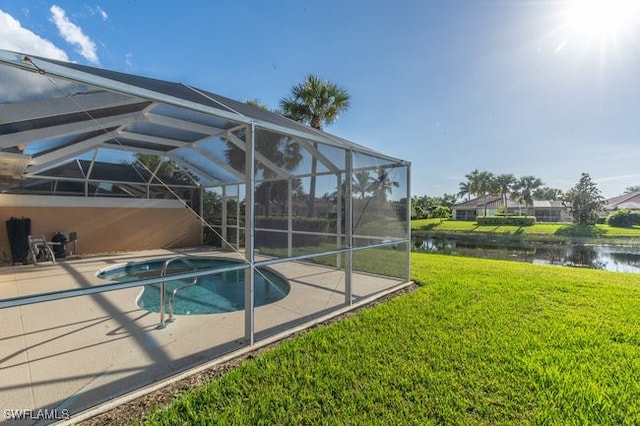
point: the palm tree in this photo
(483, 184)
(504, 184)
(465, 189)
(362, 182)
(547, 193)
(282, 151)
(448, 200)
(471, 185)
(525, 187)
(383, 184)
(315, 102)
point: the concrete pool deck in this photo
(73, 356)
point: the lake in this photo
(610, 258)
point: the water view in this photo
(605, 257)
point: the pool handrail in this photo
(11, 302)
(173, 295)
(163, 273)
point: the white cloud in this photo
(102, 13)
(13, 36)
(621, 177)
(97, 10)
(74, 34)
(16, 84)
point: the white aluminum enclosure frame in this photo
(118, 102)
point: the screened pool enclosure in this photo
(258, 183)
(155, 179)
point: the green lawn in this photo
(480, 342)
(539, 229)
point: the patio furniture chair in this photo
(40, 249)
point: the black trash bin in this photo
(59, 249)
(18, 231)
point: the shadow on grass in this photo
(429, 226)
(580, 231)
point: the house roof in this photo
(624, 201)
(547, 203)
(495, 201)
(54, 113)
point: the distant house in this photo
(629, 201)
(551, 211)
(471, 209)
(543, 210)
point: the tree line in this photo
(583, 201)
(523, 189)
(482, 184)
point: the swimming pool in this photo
(216, 293)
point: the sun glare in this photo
(602, 19)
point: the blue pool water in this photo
(216, 293)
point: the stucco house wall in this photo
(105, 225)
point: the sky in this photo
(528, 87)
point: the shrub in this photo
(506, 220)
(623, 218)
